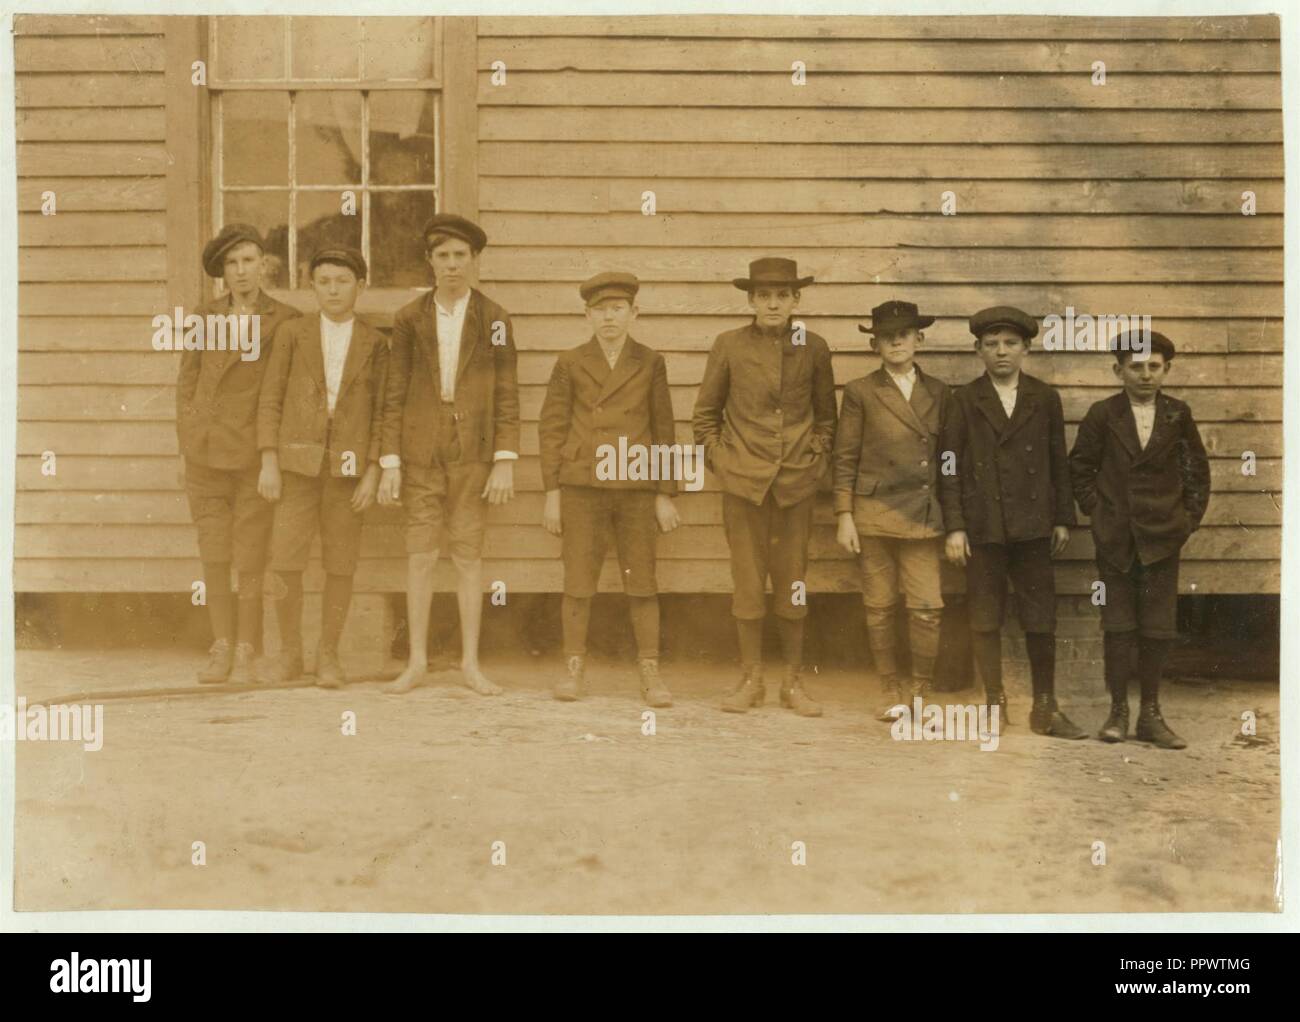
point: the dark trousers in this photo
(1028, 564)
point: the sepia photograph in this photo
(645, 465)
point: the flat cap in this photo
(1004, 315)
(341, 255)
(891, 317)
(1137, 341)
(609, 285)
(214, 252)
(457, 227)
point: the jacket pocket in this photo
(866, 486)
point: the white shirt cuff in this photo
(390, 461)
(505, 456)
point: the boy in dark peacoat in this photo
(607, 395)
(1142, 476)
(216, 426)
(1008, 506)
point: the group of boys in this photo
(936, 489)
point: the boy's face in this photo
(337, 289)
(773, 306)
(611, 319)
(452, 262)
(1142, 377)
(242, 269)
(1002, 349)
(899, 347)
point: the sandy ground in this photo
(598, 818)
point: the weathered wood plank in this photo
(506, 262)
(91, 299)
(96, 25)
(779, 228)
(687, 89)
(875, 160)
(957, 27)
(598, 53)
(76, 333)
(702, 196)
(98, 52)
(92, 264)
(73, 90)
(69, 229)
(92, 193)
(115, 159)
(129, 124)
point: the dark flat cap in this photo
(341, 255)
(772, 272)
(457, 227)
(1128, 341)
(609, 285)
(1004, 315)
(214, 252)
(891, 317)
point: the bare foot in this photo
(474, 679)
(410, 678)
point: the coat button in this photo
(1029, 447)
(924, 463)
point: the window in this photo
(325, 131)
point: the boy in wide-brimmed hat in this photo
(451, 436)
(1008, 506)
(765, 416)
(885, 470)
(1141, 475)
(216, 426)
(609, 393)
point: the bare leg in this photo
(469, 595)
(419, 598)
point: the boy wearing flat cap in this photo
(216, 425)
(765, 416)
(1008, 506)
(1141, 475)
(318, 427)
(885, 470)
(608, 391)
(451, 436)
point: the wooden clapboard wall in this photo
(1122, 198)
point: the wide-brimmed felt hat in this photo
(890, 317)
(343, 255)
(214, 252)
(457, 227)
(609, 285)
(1004, 315)
(772, 271)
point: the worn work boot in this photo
(750, 692)
(653, 690)
(998, 698)
(793, 697)
(241, 670)
(1116, 727)
(329, 672)
(1046, 718)
(284, 668)
(1151, 727)
(894, 696)
(569, 688)
(220, 660)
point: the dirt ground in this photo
(597, 818)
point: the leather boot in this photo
(1116, 727)
(329, 672)
(998, 698)
(653, 690)
(793, 697)
(1046, 718)
(220, 660)
(894, 696)
(284, 668)
(569, 688)
(241, 669)
(750, 692)
(1151, 727)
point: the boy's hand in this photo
(1060, 537)
(268, 480)
(957, 547)
(500, 487)
(390, 486)
(666, 513)
(846, 533)
(364, 494)
(551, 513)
